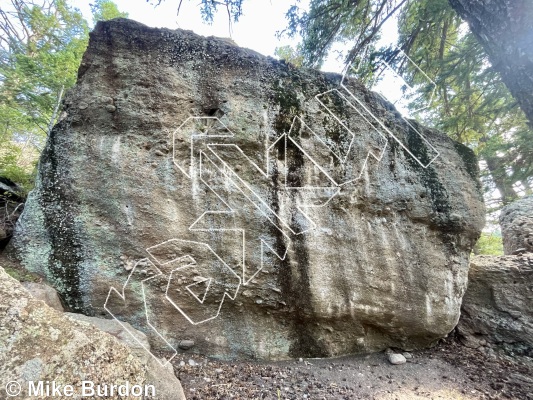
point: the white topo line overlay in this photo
(122, 296)
(194, 172)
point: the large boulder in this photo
(40, 344)
(516, 221)
(498, 304)
(255, 209)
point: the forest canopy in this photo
(475, 98)
(41, 46)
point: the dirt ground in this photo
(450, 371)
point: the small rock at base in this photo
(186, 344)
(192, 363)
(396, 359)
(106, 100)
(407, 355)
(110, 108)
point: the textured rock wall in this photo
(516, 221)
(40, 344)
(256, 209)
(498, 304)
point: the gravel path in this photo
(449, 371)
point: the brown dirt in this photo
(449, 371)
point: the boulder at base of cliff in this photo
(203, 192)
(498, 304)
(40, 344)
(516, 221)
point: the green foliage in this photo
(471, 103)
(338, 21)
(13, 167)
(489, 244)
(41, 46)
(39, 57)
(290, 55)
(209, 8)
(104, 10)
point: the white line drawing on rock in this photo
(196, 169)
(380, 122)
(210, 153)
(122, 296)
(196, 225)
(203, 276)
(342, 160)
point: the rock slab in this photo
(38, 343)
(516, 221)
(498, 304)
(259, 210)
(46, 293)
(158, 371)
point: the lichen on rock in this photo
(354, 239)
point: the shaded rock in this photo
(11, 190)
(498, 304)
(380, 261)
(134, 339)
(46, 293)
(37, 343)
(158, 371)
(11, 206)
(516, 221)
(519, 251)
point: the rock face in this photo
(159, 372)
(516, 221)
(203, 192)
(498, 304)
(43, 292)
(11, 206)
(38, 343)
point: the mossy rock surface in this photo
(358, 224)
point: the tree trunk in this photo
(505, 29)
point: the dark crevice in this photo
(56, 197)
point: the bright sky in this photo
(256, 28)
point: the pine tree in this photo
(471, 102)
(41, 46)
